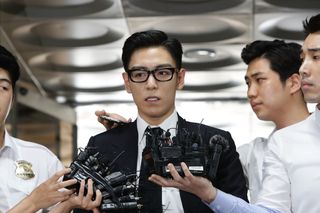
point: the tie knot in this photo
(154, 130)
(152, 133)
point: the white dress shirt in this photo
(171, 200)
(292, 168)
(251, 157)
(12, 188)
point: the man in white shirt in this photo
(291, 180)
(25, 165)
(274, 94)
(292, 165)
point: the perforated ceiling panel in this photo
(71, 49)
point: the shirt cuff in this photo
(222, 202)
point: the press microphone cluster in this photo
(118, 189)
(202, 158)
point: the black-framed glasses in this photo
(162, 74)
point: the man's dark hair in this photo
(284, 57)
(9, 63)
(151, 38)
(312, 25)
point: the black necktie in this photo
(149, 192)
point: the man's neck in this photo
(292, 114)
(156, 121)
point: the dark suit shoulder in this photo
(121, 141)
(118, 135)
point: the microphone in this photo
(217, 145)
(218, 139)
(167, 134)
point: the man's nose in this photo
(252, 91)
(304, 68)
(151, 81)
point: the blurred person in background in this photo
(30, 174)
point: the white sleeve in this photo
(54, 166)
(244, 156)
(275, 191)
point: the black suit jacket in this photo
(229, 177)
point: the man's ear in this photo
(126, 81)
(180, 78)
(294, 83)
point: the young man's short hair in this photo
(151, 38)
(312, 25)
(9, 63)
(284, 57)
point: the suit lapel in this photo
(127, 141)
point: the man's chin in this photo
(262, 117)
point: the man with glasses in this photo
(153, 74)
(162, 74)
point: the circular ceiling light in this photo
(87, 98)
(285, 27)
(79, 84)
(50, 3)
(205, 58)
(56, 8)
(61, 99)
(309, 4)
(186, 6)
(82, 83)
(77, 61)
(200, 55)
(72, 33)
(211, 29)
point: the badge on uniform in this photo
(24, 170)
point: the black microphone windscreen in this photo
(218, 139)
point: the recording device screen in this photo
(202, 158)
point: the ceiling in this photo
(70, 50)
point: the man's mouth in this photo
(254, 104)
(306, 84)
(152, 99)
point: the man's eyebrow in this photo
(246, 77)
(164, 65)
(5, 80)
(138, 67)
(146, 68)
(313, 49)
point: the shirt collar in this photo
(273, 131)
(8, 143)
(169, 123)
(317, 114)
